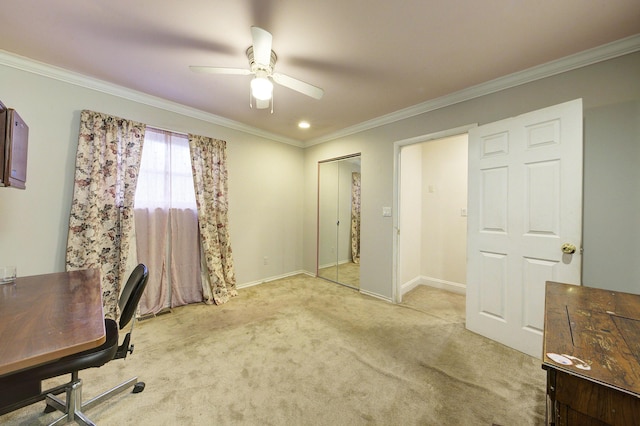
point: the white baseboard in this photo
(410, 285)
(446, 285)
(433, 282)
(276, 277)
(376, 295)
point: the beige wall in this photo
(444, 195)
(273, 211)
(264, 180)
(433, 231)
(410, 221)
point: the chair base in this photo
(73, 408)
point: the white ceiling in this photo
(372, 57)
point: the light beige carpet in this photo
(304, 351)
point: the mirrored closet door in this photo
(339, 220)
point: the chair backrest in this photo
(132, 293)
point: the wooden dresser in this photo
(592, 356)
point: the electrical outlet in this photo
(266, 260)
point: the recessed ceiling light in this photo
(304, 125)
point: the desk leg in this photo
(551, 412)
(16, 391)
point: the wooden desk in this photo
(46, 317)
(592, 356)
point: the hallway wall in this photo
(433, 193)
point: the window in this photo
(165, 179)
(167, 223)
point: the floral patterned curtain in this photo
(355, 217)
(101, 223)
(209, 163)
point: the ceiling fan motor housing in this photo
(256, 66)
(262, 61)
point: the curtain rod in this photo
(167, 130)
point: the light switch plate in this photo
(386, 212)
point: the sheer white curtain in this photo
(167, 223)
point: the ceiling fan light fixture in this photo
(261, 62)
(261, 87)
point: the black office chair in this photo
(97, 357)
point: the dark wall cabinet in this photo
(14, 137)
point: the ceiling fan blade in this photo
(218, 70)
(262, 41)
(298, 86)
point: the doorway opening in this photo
(430, 239)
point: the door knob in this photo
(568, 248)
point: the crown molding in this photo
(40, 68)
(588, 57)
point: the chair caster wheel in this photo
(49, 409)
(138, 387)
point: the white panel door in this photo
(525, 203)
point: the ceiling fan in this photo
(261, 62)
